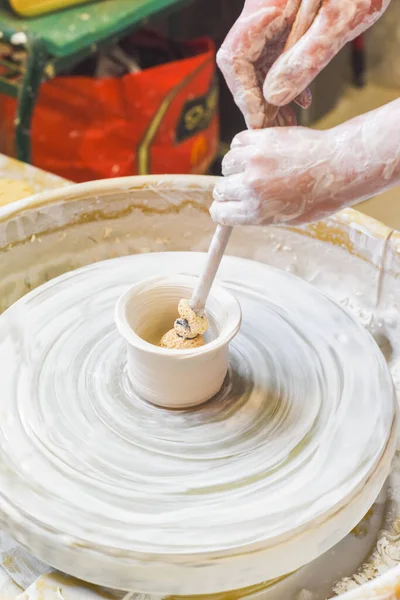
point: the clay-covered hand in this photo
(251, 57)
(295, 175)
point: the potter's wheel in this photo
(264, 478)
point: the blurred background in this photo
(109, 88)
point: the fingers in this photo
(240, 76)
(332, 28)
(258, 25)
(297, 68)
(250, 138)
(304, 18)
(304, 99)
(228, 189)
(235, 161)
(306, 14)
(231, 214)
(227, 207)
(286, 117)
(236, 196)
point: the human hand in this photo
(256, 69)
(295, 175)
(275, 175)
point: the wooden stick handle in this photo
(215, 253)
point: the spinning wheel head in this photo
(275, 469)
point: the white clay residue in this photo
(351, 280)
(245, 488)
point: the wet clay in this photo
(138, 497)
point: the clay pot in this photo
(175, 378)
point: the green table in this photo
(58, 40)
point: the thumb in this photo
(297, 68)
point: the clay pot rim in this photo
(133, 339)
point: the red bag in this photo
(160, 120)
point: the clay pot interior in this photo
(150, 315)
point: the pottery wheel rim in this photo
(25, 417)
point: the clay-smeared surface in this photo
(307, 389)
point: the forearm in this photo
(370, 161)
(296, 175)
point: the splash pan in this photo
(353, 259)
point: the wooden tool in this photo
(307, 11)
